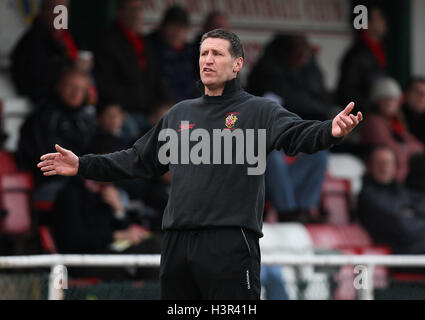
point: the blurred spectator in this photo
(414, 107)
(214, 20)
(90, 218)
(63, 119)
(41, 54)
(293, 186)
(85, 63)
(152, 193)
(288, 71)
(110, 122)
(125, 69)
(384, 125)
(174, 56)
(386, 209)
(415, 181)
(272, 281)
(107, 139)
(364, 62)
(288, 74)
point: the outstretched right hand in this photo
(64, 163)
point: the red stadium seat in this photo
(7, 162)
(43, 205)
(15, 191)
(408, 277)
(353, 236)
(335, 200)
(348, 239)
(325, 236)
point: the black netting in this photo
(117, 290)
(23, 286)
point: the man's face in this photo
(415, 97)
(301, 54)
(389, 107)
(73, 90)
(131, 15)
(112, 119)
(383, 166)
(377, 23)
(216, 63)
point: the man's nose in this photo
(209, 58)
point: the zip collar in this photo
(231, 87)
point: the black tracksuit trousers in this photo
(211, 264)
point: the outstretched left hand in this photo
(345, 122)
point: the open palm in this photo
(64, 163)
(345, 122)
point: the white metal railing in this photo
(55, 261)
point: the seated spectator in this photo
(125, 69)
(294, 188)
(415, 181)
(174, 55)
(152, 194)
(64, 118)
(288, 74)
(41, 54)
(384, 125)
(273, 283)
(364, 62)
(214, 20)
(90, 218)
(288, 71)
(387, 210)
(107, 137)
(110, 121)
(414, 107)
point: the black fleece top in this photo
(213, 195)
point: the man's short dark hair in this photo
(236, 47)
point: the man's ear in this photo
(238, 64)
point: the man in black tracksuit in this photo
(213, 219)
